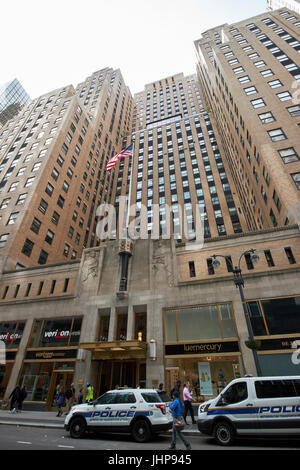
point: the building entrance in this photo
(121, 373)
(63, 377)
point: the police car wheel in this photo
(223, 433)
(141, 431)
(77, 428)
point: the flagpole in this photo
(130, 188)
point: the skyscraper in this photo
(178, 166)
(250, 76)
(53, 157)
(12, 98)
(291, 4)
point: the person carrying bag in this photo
(178, 422)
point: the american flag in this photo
(123, 154)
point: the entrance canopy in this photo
(116, 349)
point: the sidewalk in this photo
(48, 419)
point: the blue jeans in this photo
(176, 431)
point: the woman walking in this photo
(176, 409)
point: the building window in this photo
(244, 79)
(275, 83)
(290, 256)
(21, 199)
(258, 103)
(3, 239)
(12, 218)
(43, 257)
(267, 73)
(269, 258)
(284, 96)
(55, 218)
(49, 237)
(288, 155)
(192, 269)
(210, 267)
(296, 179)
(27, 247)
(294, 110)
(276, 135)
(266, 117)
(43, 206)
(60, 201)
(49, 189)
(259, 63)
(250, 90)
(36, 225)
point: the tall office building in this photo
(53, 157)
(178, 166)
(291, 4)
(250, 76)
(12, 98)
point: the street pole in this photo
(239, 282)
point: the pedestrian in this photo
(176, 409)
(89, 392)
(60, 399)
(160, 387)
(176, 388)
(70, 398)
(80, 397)
(187, 400)
(15, 397)
(23, 395)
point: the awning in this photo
(116, 349)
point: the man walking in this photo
(187, 400)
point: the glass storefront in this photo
(10, 336)
(276, 322)
(207, 376)
(50, 357)
(201, 346)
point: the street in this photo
(15, 437)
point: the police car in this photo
(140, 412)
(253, 406)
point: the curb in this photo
(39, 424)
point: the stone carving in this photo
(90, 266)
(161, 265)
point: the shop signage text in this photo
(53, 354)
(202, 348)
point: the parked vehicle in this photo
(253, 406)
(139, 412)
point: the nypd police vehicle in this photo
(253, 406)
(140, 412)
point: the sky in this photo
(48, 45)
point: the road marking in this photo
(23, 442)
(67, 447)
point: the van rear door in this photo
(278, 403)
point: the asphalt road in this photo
(13, 437)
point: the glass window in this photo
(151, 397)
(106, 399)
(266, 117)
(234, 394)
(124, 397)
(296, 178)
(256, 318)
(282, 315)
(275, 388)
(288, 155)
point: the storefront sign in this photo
(205, 378)
(11, 333)
(52, 354)
(217, 347)
(277, 343)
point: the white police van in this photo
(140, 412)
(253, 406)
